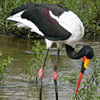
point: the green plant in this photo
(72, 78)
(35, 63)
(3, 65)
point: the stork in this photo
(57, 24)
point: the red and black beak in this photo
(85, 63)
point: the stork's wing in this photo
(39, 15)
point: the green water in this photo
(17, 84)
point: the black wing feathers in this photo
(19, 9)
(39, 15)
(58, 8)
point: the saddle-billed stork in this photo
(56, 24)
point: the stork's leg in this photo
(41, 74)
(55, 74)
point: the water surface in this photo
(18, 86)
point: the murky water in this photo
(18, 87)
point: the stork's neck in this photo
(73, 54)
(85, 51)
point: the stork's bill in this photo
(85, 63)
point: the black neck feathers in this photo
(85, 51)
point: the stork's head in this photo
(87, 53)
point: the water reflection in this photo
(19, 88)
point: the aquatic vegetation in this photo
(72, 78)
(4, 64)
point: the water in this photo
(18, 86)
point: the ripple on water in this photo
(18, 86)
